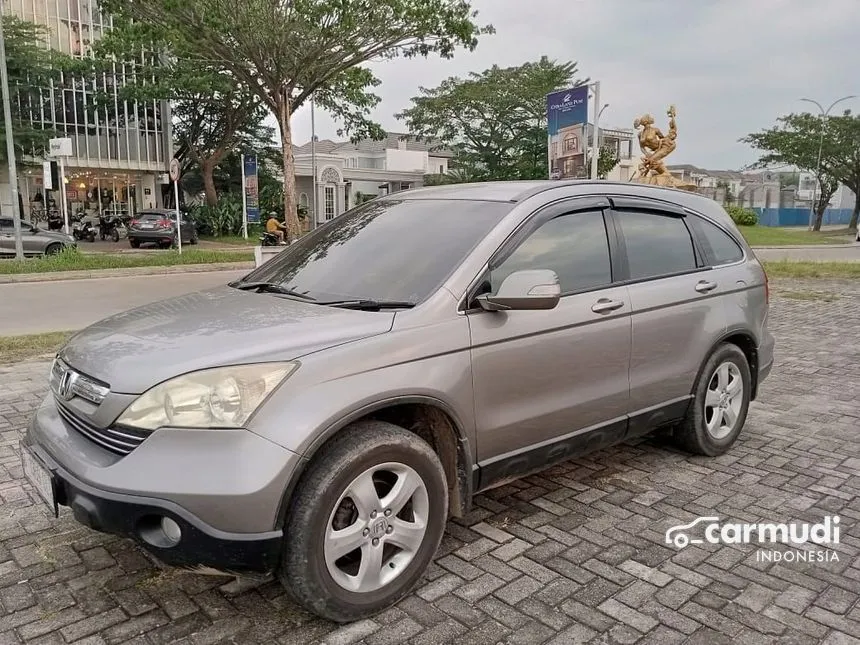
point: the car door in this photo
(551, 384)
(7, 236)
(677, 310)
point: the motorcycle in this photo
(83, 229)
(110, 227)
(269, 239)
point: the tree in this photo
(795, 141)
(845, 131)
(286, 51)
(607, 159)
(495, 121)
(31, 67)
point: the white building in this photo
(120, 153)
(348, 173)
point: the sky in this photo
(730, 67)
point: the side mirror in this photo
(524, 290)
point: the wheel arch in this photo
(744, 340)
(429, 418)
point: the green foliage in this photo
(74, 261)
(607, 159)
(31, 67)
(360, 197)
(495, 121)
(285, 52)
(225, 218)
(742, 216)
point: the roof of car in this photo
(517, 191)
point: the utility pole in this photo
(10, 142)
(313, 165)
(595, 152)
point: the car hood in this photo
(51, 235)
(135, 350)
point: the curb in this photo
(57, 276)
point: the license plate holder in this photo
(41, 479)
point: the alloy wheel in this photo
(724, 400)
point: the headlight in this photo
(224, 397)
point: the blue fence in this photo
(800, 216)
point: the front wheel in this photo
(114, 235)
(53, 249)
(365, 522)
(719, 408)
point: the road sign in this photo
(60, 147)
(174, 169)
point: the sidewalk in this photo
(56, 276)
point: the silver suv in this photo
(323, 417)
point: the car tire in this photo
(135, 244)
(53, 249)
(91, 237)
(114, 236)
(314, 567)
(720, 404)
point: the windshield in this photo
(399, 250)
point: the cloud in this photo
(730, 66)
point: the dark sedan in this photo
(158, 226)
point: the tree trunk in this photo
(855, 214)
(291, 215)
(207, 168)
(819, 214)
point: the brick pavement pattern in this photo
(574, 555)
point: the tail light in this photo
(133, 222)
(165, 223)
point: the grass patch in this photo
(72, 260)
(823, 296)
(777, 236)
(790, 269)
(20, 348)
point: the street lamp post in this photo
(595, 152)
(313, 223)
(824, 114)
(10, 142)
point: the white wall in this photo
(434, 164)
(406, 160)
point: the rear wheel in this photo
(720, 404)
(365, 522)
(135, 244)
(114, 235)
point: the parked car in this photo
(324, 416)
(158, 226)
(36, 241)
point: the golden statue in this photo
(655, 147)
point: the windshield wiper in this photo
(370, 305)
(269, 287)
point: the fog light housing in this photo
(159, 531)
(171, 530)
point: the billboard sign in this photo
(252, 197)
(567, 130)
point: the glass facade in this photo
(120, 148)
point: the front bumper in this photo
(141, 519)
(223, 488)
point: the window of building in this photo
(575, 246)
(719, 244)
(657, 245)
(329, 202)
(571, 143)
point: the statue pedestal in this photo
(667, 181)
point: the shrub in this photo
(742, 216)
(225, 218)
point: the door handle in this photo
(605, 305)
(704, 286)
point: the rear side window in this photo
(574, 246)
(657, 245)
(719, 245)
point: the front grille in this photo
(120, 441)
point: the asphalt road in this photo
(822, 253)
(37, 307)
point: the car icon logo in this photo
(676, 535)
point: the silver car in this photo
(36, 241)
(323, 417)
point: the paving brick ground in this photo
(575, 555)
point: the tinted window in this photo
(7, 223)
(574, 246)
(152, 217)
(656, 245)
(723, 249)
(384, 249)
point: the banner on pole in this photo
(252, 198)
(567, 130)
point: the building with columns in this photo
(350, 173)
